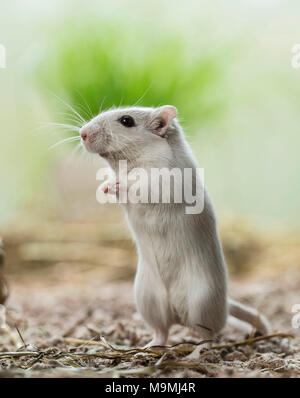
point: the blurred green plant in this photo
(94, 64)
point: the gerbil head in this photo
(124, 133)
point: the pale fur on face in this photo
(110, 139)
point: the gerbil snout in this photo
(83, 135)
(91, 137)
(88, 134)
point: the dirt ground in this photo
(71, 302)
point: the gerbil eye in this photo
(127, 121)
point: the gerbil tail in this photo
(249, 315)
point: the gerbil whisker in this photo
(70, 107)
(74, 152)
(69, 139)
(63, 126)
(142, 96)
(88, 157)
(101, 105)
(122, 98)
(82, 108)
(89, 113)
(73, 118)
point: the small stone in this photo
(211, 357)
(236, 356)
(223, 353)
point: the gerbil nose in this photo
(83, 135)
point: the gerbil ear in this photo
(161, 119)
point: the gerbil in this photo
(181, 275)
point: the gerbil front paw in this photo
(111, 187)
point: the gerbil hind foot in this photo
(5, 329)
(198, 350)
(204, 344)
(160, 339)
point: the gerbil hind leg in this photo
(207, 316)
(152, 304)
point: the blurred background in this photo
(225, 65)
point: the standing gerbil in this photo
(181, 275)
